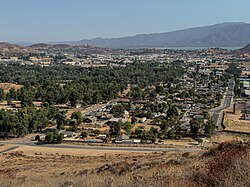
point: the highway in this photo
(228, 98)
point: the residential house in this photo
(123, 139)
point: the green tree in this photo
(26, 97)
(159, 89)
(8, 122)
(115, 129)
(153, 134)
(77, 116)
(12, 94)
(60, 137)
(37, 138)
(170, 128)
(97, 97)
(84, 134)
(23, 122)
(73, 97)
(54, 137)
(52, 112)
(2, 94)
(49, 137)
(172, 112)
(150, 135)
(61, 119)
(136, 93)
(38, 119)
(133, 119)
(127, 127)
(195, 125)
(117, 110)
(209, 127)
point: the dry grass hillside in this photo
(225, 165)
(12, 49)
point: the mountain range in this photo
(230, 34)
(219, 35)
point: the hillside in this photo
(40, 46)
(225, 165)
(244, 50)
(12, 49)
(219, 35)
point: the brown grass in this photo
(7, 86)
(236, 122)
(229, 165)
(226, 165)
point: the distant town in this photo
(189, 96)
(124, 93)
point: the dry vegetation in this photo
(236, 122)
(12, 49)
(226, 165)
(237, 125)
(7, 86)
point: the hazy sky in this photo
(57, 20)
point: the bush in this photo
(49, 137)
(228, 165)
(199, 140)
(84, 134)
(54, 137)
(37, 138)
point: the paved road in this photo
(81, 147)
(226, 103)
(92, 108)
(29, 141)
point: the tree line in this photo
(29, 120)
(58, 84)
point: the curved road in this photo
(226, 103)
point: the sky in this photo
(71, 20)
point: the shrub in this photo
(37, 138)
(54, 137)
(228, 165)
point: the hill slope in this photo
(12, 49)
(225, 165)
(244, 50)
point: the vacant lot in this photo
(7, 86)
(236, 121)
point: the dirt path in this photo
(9, 149)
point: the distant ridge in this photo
(219, 35)
(40, 46)
(244, 50)
(12, 49)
